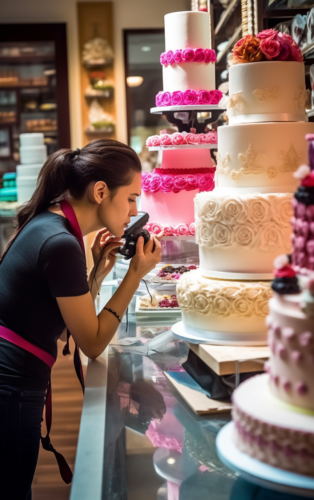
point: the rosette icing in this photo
(188, 98)
(170, 230)
(188, 55)
(176, 183)
(179, 139)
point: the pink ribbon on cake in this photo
(188, 55)
(188, 98)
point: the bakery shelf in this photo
(27, 60)
(235, 37)
(183, 146)
(226, 16)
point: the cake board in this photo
(258, 472)
(183, 146)
(197, 336)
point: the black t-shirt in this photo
(44, 262)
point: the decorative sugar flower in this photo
(285, 281)
(247, 50)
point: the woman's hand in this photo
(146, 257)
(104, 251)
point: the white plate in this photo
(257, 472)
(158, 311)
(183, 146)
(198, 107)
(197, 336)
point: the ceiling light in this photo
(146, 48)
(171, 461)
(134, 81)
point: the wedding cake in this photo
(244, 223)
(33, 154)
(188, 80)
(273, 413)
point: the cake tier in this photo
(262, 155)
(187, 29)
(33, 139)
(233, 307)
(303, 235)
(267, 91)
(33, 154)
(186, 159)
(188, 76)
(242, 233)
(271, 431)
(291, 339)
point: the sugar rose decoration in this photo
(268, 45)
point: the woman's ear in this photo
(97, 192)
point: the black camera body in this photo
(132, 234)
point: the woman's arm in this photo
(93, 333)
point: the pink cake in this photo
(274, 413)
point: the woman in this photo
(44, 288)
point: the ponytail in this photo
(70, 171)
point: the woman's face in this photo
(115, 212)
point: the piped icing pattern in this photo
(256, 221)
(188, 98)
(170, 229)
(181, 139)
(188, 55)
(152, 183)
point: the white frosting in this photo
(291, 338)
(242, 234)
(32, 139)
(223, 306)
(33, 154)
(267, 91)
(188, 76)
(187, 29)
(261, 154)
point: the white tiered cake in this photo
(33, 154)
(245, 221)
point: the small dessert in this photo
(171, 274)
(157, 301)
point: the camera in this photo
(132, 234)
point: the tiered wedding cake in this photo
(274, 413)
(33, 154)
(188, 80)
(244, 223)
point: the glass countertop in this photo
(155, 446)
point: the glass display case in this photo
(33, 88)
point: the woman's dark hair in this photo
(70, 171)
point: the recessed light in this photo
(171, 461)
(146, 48)
(134, 81)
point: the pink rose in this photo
(286, 39)
(163, 58)
(191, 138)
(270, 48)
(180, 183)
(199, 55)
(169, 230)
(203, 97)
(192, 233)
(284, 52)
(190, 98)
(165, 99)
(155, 140)
(267, 34)
(149, 141)
(176, 98)
(177, 56)
(169, 56)
(210, 55)
(206, 183)
(192, 182)
(167, 183)
(158, 99)
(155, 228)
(177, 139)
(295, 53)
(188, 55)
(155, 183)
(201, 139)
(146, 182)
(148, 227)
(211, 138)
(165, 140)
(181, 230)
(215, 96)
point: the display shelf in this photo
(226, 16)
(27, 60)
(183, 146)
(160, 110)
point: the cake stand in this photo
(187, 117)
(258, 472)
(197, 336)
(183, 146)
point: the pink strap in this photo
(15, 339)
(70, 215)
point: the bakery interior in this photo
(177, 406)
